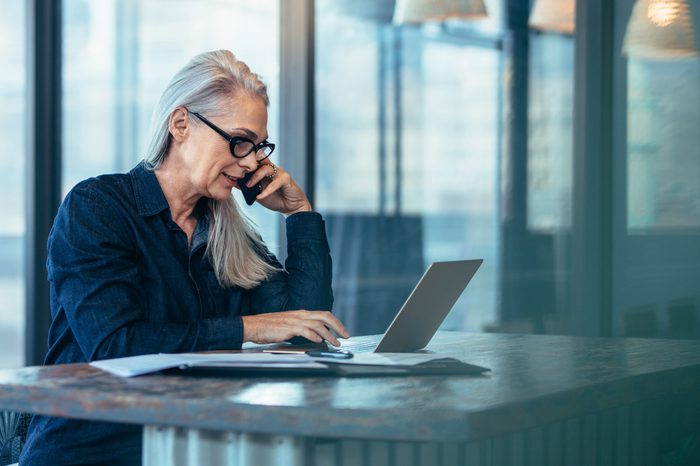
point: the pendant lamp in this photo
(660, 29)
(554, 15)
(419, 11)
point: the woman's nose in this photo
(249, 162)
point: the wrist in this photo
(305, 208)
(248, 333)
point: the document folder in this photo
(367, 364)
(442, 366)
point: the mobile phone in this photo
(249, 194)
(331, 353)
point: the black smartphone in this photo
(249, 194)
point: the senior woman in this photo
(162, 260)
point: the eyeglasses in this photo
(240, 146)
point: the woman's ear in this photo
(179, 123)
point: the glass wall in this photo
(13, 157)
(657, 232)
(442, 142)
(120, 54)
(407, 143)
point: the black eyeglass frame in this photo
(235, 140)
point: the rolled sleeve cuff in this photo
(306, 226)
(220, 334)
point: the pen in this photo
(337, 354)
(284, 351)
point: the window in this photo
(657, 222)
(442, 142)
(12, 188)
(407, 160)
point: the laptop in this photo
(424, 310)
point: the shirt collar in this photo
(150, 199)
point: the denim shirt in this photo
(124, 282)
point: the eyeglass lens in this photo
(241, 148)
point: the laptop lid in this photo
(427, 306)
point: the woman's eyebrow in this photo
(250, 134)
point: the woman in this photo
(161, 260)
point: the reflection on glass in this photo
(13, 158)
(120, 54)
(663, 145)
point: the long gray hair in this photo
(234, 248)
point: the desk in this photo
(549, 400)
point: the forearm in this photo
(308, 263)
(142, 337)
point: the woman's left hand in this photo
(280, 192)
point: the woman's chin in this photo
(221, 194)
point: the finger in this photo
(330, 320)
(274, 185)
(309, 334)
(321, 329)
(264, 171)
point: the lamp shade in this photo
(419, 11)
(660, 29)
(554, 15)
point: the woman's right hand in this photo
(275, 327)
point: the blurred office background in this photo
(558, 142)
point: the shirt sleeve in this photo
(305, 282)
(92, 267)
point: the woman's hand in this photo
(280, 192)
(280, 326)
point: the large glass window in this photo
(120, 54)
(13, 156)
(407, 142)
(656, 240)
(445, 141)
(657, 235)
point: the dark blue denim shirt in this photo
(124, 282)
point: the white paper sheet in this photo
(139, 365)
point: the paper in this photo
(146, 364)
(136, 365)
(385, 359)
(149, 363)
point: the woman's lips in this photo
(231, 179)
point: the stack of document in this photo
(360, 364)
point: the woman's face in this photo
(206, 155)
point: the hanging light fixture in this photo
(554, 15)
(419, 11)
(660, 29)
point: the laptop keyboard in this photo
(359, 344)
